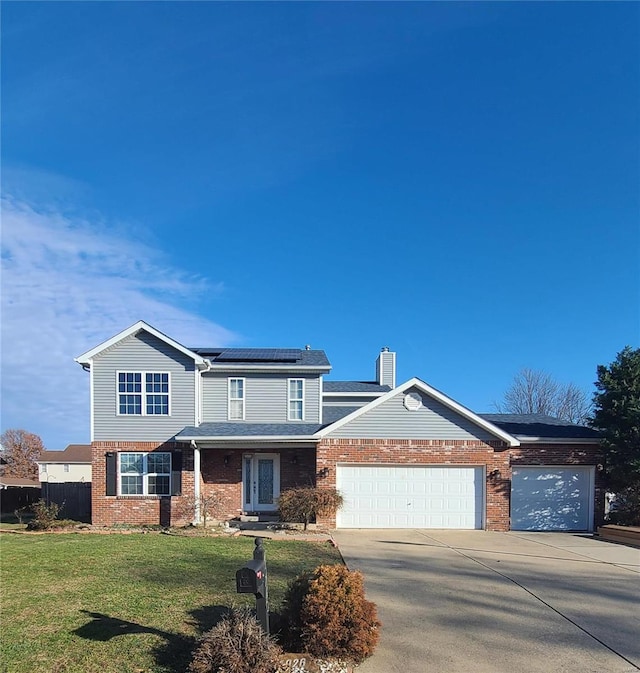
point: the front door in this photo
(260, 482)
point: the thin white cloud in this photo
(68, 284)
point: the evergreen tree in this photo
(617, 416)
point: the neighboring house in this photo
(71, 465)
(66, 480)
(171, 423)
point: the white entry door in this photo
(410, 496)
(260, 482)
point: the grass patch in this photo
(127, 603)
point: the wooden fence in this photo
(73, 497)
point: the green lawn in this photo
(126, 603)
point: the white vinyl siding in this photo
(236, 399)
(412, 496)
(59, 473)
(552, 498)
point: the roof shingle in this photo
(540, 425)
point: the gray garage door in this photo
(553, 498)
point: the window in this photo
(236, 399)
(131, 394)
(145, 474)
(296, 399)
(43, 468)
(157, 389)
(65, 468)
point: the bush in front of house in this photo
(303, 504)
(237, 644)
(626, 506)
(326, 614)
(45, 515)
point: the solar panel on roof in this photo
(259, 355)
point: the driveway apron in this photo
(484, 602)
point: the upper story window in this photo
(65, 468)
(236, 399)
(296, 399)
(143, 393)
(144, 474)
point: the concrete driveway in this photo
(481, 602)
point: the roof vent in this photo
(307, 347)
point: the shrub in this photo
(21, 512)
(237, 644)
(44, 515)
(209, 505)
(326, 615)
(305, 503)
(626, 507)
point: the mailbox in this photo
(251, 578)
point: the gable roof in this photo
(331, 414)
(74, 453)
(435, 394)
(541, 428)
(86, 358)
(254, 431)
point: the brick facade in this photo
(566, 454)
(297, 468)
(221, 474)
(108, 510)
(495, 457)
(221, 477)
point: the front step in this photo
(255, 521)
(267, 522)
(259, 518)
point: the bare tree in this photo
(21, 450)
(536, 392)
(574, 404)
(208, 505)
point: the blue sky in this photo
(458, 181)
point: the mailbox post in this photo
(252, 579)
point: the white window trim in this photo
(296, 399)
(143, 392)
(145, 474)
(242, 399)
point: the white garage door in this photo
(552, 498)
(415, 496)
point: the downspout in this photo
(196, 451)
(196, 482)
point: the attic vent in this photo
(412, 401)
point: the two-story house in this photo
(170, 424)
(71, 465)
